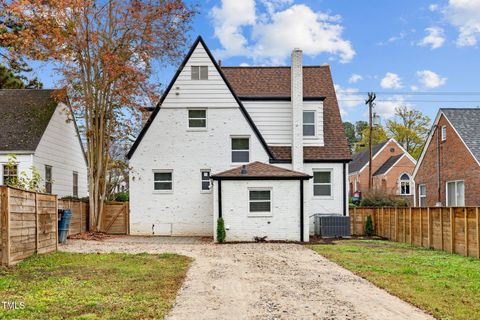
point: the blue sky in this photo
(400, 49)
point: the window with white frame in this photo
(163, 180)
(422, 195)
(309, 123)
(10, 174)
(455, 193)
(199, 72)
(205, 175)
(322, 183)
(240, 149)
(197, 119)
(444, 133)
(260, 201)
(405, 184)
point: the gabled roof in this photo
(24, 117)
(256, 170)
(275, 83)
(388, 164)
(360, 159)
(466, 122)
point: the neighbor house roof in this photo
(466, 121)
(275, 82)
(262, 170)
(24, 117)
(388, 164)
(360, 159)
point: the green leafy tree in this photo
(369, 227)
(359, 127)
(350, 133)
(410, 128)
(10, 80)
(379, 135)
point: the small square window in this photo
(322, 183)
(240, 149)
(308, 123)
(162, 181)
(260, 201)
(199, 72)
(197, 118)
(205, 180)
(444, 133)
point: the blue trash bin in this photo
(63, 225)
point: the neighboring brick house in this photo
(448, 171)
(392, 168)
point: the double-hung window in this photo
(10, 174)
(455, 193)
(240, 149)
(260, 201)
(322, 183)
(205, 175)
(163, 180)
(422, 195)
(199, 72)
(309, 123)
(48, 179)
(197, 119)
(444, 133)
(75, 184)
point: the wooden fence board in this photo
(456, 230)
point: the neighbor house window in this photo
(322, 183)
(205, 180)
(197, 118)
(405, 184)
(422, 195)
(455, 193)
(308, 123)
(444, 133)
(163, 180)
(10, 174)
(260, 201)
(48, 179)
(199, 72)
(240, 149)
(75, 184)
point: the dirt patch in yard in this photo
(264, 281)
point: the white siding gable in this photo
(60, 148)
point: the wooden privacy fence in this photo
(456, 230)
(28, 224)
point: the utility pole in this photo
(371, 97)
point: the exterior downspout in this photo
(301, 211)
(344, 188)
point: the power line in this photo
(402, 100)
(420, 93)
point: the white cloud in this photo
(433, 7)
(269, 37)
(354, 78)
(414, 88)
(434, 38)
(348, 99)
(430, 79)
(465, 16)
(391, 81)
(244, 64)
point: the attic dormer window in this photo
(199, 72)
(444, 133)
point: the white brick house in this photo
(213, 120)
(42, 133)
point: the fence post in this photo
(383, 222)
(5, 216)
(36, 223)
(421, 227)
(429, 227)
(452, 230)
(411, 224)
(404, 226)
(478, 231)
(354, 220)
(441, 227)
(396, 224)
(466, 231)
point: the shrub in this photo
(380, 198)
(221, 233)
(121, 196)
(369, 226)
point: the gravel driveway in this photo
(262, 281)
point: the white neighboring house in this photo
(42, 133)
(247, 129)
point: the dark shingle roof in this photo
(388, 164)
(467, 123)
(317, 82)
(361, 159)
(25, 115)
(260, 170)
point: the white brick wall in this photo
(284, 222)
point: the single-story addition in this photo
(263, 198)
(41, 133)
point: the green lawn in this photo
(93, 286)
(443, 284)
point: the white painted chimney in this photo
(297, 109)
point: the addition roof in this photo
(259, 170)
